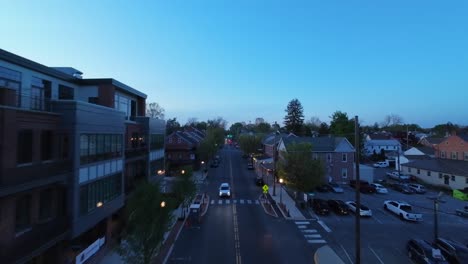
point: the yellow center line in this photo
(234, 216)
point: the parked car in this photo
(403, 188)
(364, 186)
(421, 251)
(364, 210)
(379, 188)
(417, 188)
(224, 190)
(335, 187)
(454, 252)
(320, 206)
(403, 210)
(381, 164)
(339, 207)
(398, 176)
(323, 188)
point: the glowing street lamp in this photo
(99, 204)
(281, 191)
(163, 204)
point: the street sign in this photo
(265, 188)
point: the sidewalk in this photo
(289, 203)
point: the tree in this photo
(217, 122)
(184, 188)
(192, 121)
(201, 125)
(392, 120)
(442, 130)
(342, 126)
(250, 143)
(299, 169)
(324, 129)
(154, 110)
(147, 221)
(294, 118)
(263, 128)
(236, 129)
(172, 125)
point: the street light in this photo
(281, 190)
(99, 204)
(163, 204)
(183, 172)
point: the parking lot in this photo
(384, 235)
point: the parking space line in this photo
(346, 253)
(309, 231)
(302, 227)
(302, 222)
(377, 219)
(316, 241)
(324, 226)
(380, 260)
(313, 236)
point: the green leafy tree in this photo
(324, 129)
(294, 118)
(184, 188)
(236, 129)
(147, 221)
(443, 129)
(250, 143)
(342, 126)
(263, 128)
(172, 125)
(299, 169)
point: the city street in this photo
(237, 230)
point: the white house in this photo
(388, 145)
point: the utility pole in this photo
(358, 192)
(436, 200)
(274, 167)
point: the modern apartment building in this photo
(70, 149)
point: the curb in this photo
(169, 252)
(264, 209)
(283, 213)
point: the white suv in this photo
(224, 190)
(418, 188)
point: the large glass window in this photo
(125, 104)
(23, 213)
(100, 191)
(45, 204)
(97, 147)
(157, 141)
(37, 94)
(66, 93)
(12, 80)
(24, 146)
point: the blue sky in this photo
(246, 59)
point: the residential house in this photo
(430, 141)
(270, 142)
(181, 149)
(69, 149)
(452, 174)
(415, 153)
(372, 146)
(336, 154)
(454, 147)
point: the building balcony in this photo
(35, 241)
(35, 175)
(11, 98)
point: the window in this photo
(47, 145)
(314, 156)
(454, 155)
(465, 155)
(179, 140)
(453, 177)
(45, 204)
(100, 191)
(442, 154)
(37, 94)
(344, 173)
(156, 141)
(66, 93)
(466, 180)
(64, 147)
(124, 104)
(440, 175)
(409, 169)
(12, 80)
(329, 157)
(24, 146)
(344, 157)
(23, 213)
(418, 171)
(428, 173)
(97, 147)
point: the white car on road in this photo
(365, 211)
(224, 190)
(379, 188)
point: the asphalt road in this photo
(237, 230)
(384, 235)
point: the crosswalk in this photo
(311, 235)
(235, 201)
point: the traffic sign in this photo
(265, 188)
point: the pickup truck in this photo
(403, 210)
(397, 176)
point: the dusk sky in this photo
(246, 59)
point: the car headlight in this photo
(229, 193)
(220, 193)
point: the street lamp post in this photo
(281, 190)
(436, 200)
(163, 204)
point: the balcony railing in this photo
(24, 101)
(26, 173)
(39, 238)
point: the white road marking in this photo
(347, 255)
(212, 201)
(313, 236)
(309, 231)
(380, 260)
(324, 226)
(228, 201)
(316, 241)
(302, 227)
(302, 223)
(249, 202)
(376, 219)
(220, 201)
(242, 201)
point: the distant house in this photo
(452, 174)
(378, 136)
(336, 154)
(430, 141)
(413, 154)
(270, 142)
(377, 145)
(181, 147)
(454, 147)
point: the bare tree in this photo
(192, 121)
(154, 110)
(314, 121)
(392, 120)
